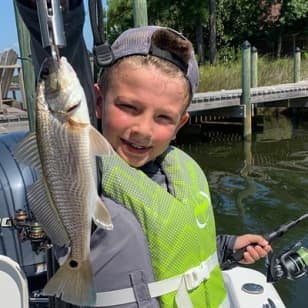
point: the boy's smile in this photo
(142, 111)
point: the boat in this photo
(245, 287)
(249, 288)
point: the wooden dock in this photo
(13, 116)
(225, 103)
(291, 94)
(13, 119)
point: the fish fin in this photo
(27, 152)
(101, 216)
(46, 214)
(99, 145)
(73, 285)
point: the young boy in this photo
(162, 250)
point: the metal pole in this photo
(254, 67)
(27, 67)
(297, 65)
(140, 13)
(246, 80)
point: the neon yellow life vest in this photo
(180, 229)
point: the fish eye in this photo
(44, 73)
(48, 66)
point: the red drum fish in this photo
(64, 199)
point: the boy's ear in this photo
(185, 117)
(98, 101)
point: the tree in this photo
(284, 19)
(212, 30)
(188, 17)
(224, 24)
(120, 17)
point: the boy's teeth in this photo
(137, 146)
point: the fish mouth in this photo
(73, 108)
(65, 113)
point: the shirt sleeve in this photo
(225, 243)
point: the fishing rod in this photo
(290, 264)
(280, 231)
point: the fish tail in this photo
(73, 283)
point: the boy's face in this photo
(142, 111)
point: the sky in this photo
(8, 34)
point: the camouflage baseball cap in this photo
(139, 41)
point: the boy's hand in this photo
(257, 247)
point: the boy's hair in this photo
(152, 42)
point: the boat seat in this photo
(13, 284)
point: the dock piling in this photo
(246, 83)
(297, 64)
(27, 67)
(254, 67)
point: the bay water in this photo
(259, 185)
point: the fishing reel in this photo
(291, 264)
(27, 229)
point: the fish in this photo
(64, 200)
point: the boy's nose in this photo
(143, 127)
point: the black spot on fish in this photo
(73, 264)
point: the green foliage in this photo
(236, 20)
(228, 54)
(264, 23)
(293, 10)
(228, 75)
(181, 15)
(119, 17)
(220, 76)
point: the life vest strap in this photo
(183, 283)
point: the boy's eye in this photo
(127, 107)
(165, 118)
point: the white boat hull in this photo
(13, 284)
(248, 288)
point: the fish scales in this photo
(65, 173)
(64, 199)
